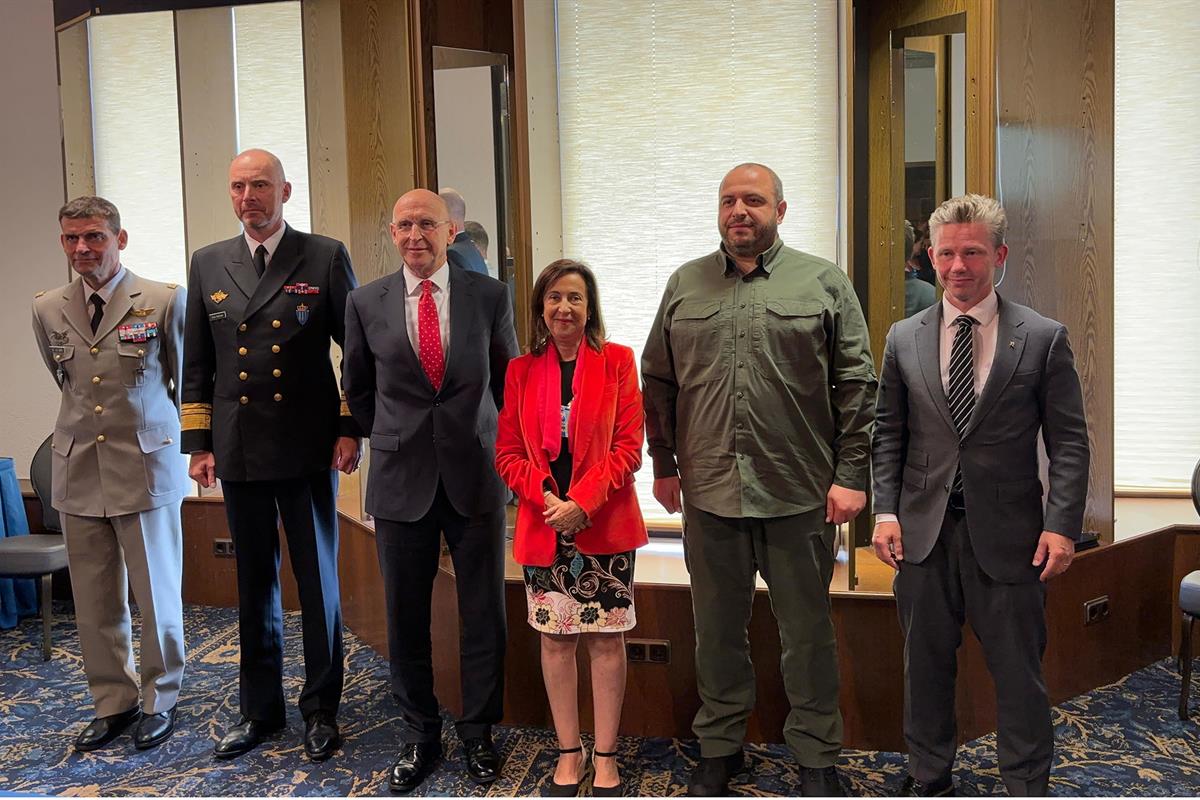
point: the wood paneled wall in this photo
(1055, 179)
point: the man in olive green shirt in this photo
(760, 395)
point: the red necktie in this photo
(433, 361)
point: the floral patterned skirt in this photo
(581, 593)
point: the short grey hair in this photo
(967, 209)
(776, 182)
(88, 206)
(456, 206)
(476, 233)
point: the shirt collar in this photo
(440, 278)
(272, 242)
(107, 290)
(983, 312)
(765, 260)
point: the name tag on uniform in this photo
(137, 332)
(216, 315)
(565, 413)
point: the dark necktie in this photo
(960, 388)
(260, 260)
(98, 311)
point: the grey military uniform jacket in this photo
(116, 439)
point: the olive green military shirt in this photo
(759, 389)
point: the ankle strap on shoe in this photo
(602, 754)
(566, 751)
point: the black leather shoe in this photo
(103, 730)
(153, 729)
(321, 736)
(915, 788)
(415, 763)
(820, 782)
(483, 762)
(244, 737)
(711, 776)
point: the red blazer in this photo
(606, 451)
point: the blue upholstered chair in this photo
(1189, 607)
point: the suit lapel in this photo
(240, 266)
(1010, 342)
(586, 402)
(395, 311)
(73, 311)
(118, 305)
(462, 307)
(286, 260)
(928, 340)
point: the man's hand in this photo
(347, 452)
(887, 543)
(667, 493)
(842, 504)
(566, 517)
(1057, 551)
(203, 468)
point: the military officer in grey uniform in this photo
(113, 342)
(263, 413)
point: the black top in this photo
(560, 467)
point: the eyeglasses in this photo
(426, 225)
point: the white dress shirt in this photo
(106, 291)
(441, 299)
(272, 242)
(986, 311)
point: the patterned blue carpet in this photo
(1122, 739)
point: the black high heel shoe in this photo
(606, 791)
(554, 789)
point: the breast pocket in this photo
(698, 343)
(133, 357)
(792, 330)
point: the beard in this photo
(764, 237)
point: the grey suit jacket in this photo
(119, 415)
(1032, 388)
(420, 436)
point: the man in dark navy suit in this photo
(426, 352)
(462, 251)
(262, 412)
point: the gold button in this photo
(243, 375)
(278, 397)
(241, 351)
(58, 358)
(95, 379)
(95, 350)
(274, 348)
(141, 352)
(98, 409)
(100, 438)
(243, 399)
(242, 327)
(276, 372)
(275, 323)
(168, 440)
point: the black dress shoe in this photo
(244, 737)
(915, 788)
(820, 782)
(711, 776)
(483, 762)
(321, 736)
(153, 729)
(414, 765)
(103, 730)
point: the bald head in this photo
(422, 230)
(456, 206)
(258, 190)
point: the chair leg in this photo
(47, 591)
(1185, 662)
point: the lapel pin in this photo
(218, 296)
(141, 312)
(1012, 344)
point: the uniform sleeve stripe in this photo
(195, 416)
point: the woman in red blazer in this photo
(569, 441)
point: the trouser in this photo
(794, 555)
(934, 598)
(106, 555)
(307, 507)
(408, 559)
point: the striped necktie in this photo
(960, 388)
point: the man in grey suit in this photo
(113, 343)
(426, 352)
(966, 388)
(462, 251)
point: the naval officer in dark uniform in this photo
(262, 412)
